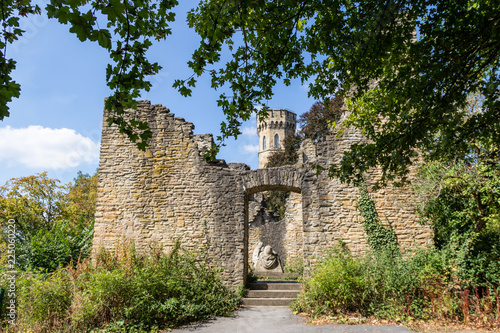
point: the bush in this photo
(123, 291)
(57, 247)
(338, 284)
(456, 284)
(52, 224)
(45, 298)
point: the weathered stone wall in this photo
(268, 230)
(335, 213)
(294, 236)
(285, 236)
(169, 192)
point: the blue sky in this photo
(55, 125)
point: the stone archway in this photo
(282, 178)
(276, 179)
(170, 192)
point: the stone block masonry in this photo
(169, 192)
(284, 236)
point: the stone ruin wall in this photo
(338, 202)
(335, 207)
(168, 192)
(285, 236)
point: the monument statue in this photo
(265, 260)
(256, 252)
(268, 258)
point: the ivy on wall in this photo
(380, 238)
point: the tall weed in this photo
(428, 284)
(339, 284)
(123, 291)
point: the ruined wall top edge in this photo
(160, 119)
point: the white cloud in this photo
(46, 148)
(251, 148)
(250, 131)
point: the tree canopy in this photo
(53, 223)
(407, 67)
(461, 196)
(317, 123)
(124, 28)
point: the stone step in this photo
(274, 285)
(277, 275)
(272, 293)
(267, 301)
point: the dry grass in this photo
(427, 326)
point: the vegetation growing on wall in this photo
(380, 238)
(457, 282)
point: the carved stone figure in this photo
(256, 253)
(266, 260)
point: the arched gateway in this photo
(169, 192)
(290, 230)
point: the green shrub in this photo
(338, 284)
(47, 299)
(457, 281)
(57, 247)
(453, 283)
(123, 291)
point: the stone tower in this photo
(272, 132)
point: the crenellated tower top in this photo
(272, 132)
